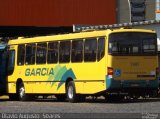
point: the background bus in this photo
(107, 62)
(3, 68)
(158, 42)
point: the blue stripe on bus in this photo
(115, 84)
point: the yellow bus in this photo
(101, 62)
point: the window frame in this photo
(68, 61)
(133, 54)
(57, 52)
(76, 40)
(31, 54)
(10, 71)
(99, 38)
(36, 57)
(90, 38)
(21, 56)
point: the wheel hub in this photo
(70, 92)
(21, 92)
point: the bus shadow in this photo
(123, 101)
(103, 101)
(3, 100)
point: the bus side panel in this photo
(39, 80)
(44, 88)
(90, 77)
(79, 87)
(94, 87)
(11, 87)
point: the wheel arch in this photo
(67, 81)
(19, 81)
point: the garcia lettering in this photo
(39, 72)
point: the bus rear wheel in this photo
(71, 92)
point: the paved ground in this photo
(90, 106)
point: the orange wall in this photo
(57, 12)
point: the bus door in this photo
(3, 58)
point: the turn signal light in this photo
(110, 71)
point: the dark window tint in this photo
(77, 51)
(101, 48)
(30, 54)
(41, 53)
(132, 43)
(52, 52)
(149, 45)
(64, 51)
(11, 60)
(90, 49)
(21, 54)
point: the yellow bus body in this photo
(90, 77)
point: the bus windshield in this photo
(132, 43)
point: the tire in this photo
(71, 92)
(22, 95)
(61, 97)
(21, 92)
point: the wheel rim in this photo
(21, 92)
(70, 92)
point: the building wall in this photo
(157, 9)
(123, 10)
(150, 9)
(57, 12)
(155, 27)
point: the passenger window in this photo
(21, 55)
(64, 51)
(30, 54)
(41, 53)
(77, 51)
(101, 48)
(11, 62)
(52, 52)
(90, 50)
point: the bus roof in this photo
(81, 35)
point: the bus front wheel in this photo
(71, 92)
(22, 95)
(21, 92)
